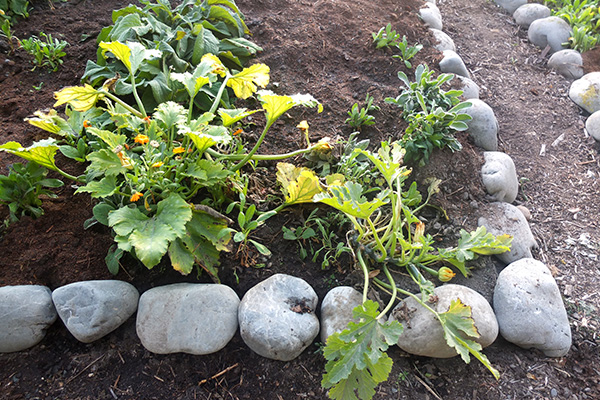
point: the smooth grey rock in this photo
(277, 317)
(336, 310)
(568, 63)
(470, 88)
(527, 13)
(188, 318)
(444, 42)
(549, 31)
(510, 5)
(453, 64)
(483, 128)
(431, 15)
(592, 125)
(93, 309)
(504, 218)
(26, 312)
(499, 176)
(585, 92)
(423, 334)
(530, 310)
(525, 211)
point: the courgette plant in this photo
(388, 237)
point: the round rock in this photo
(510, 5)
(530, 310)
(549, 31)
(277, 317)
(93, 309)
(504, 218)
(453, 64)
(423, 334)
(499, 176)
(431, 15)
(568, 63)
(585, 92)
(527, 13)
(444, 42)
(336, 310)
(27, 312)
(592, 125)
(188, 318)
(470, 88)
(483, 127)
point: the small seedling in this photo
(386, 37)
(47, 51)
(360, 117)
(407, 52)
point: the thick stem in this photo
(217, 101)
(137, 97)
(363, 265)
(248, 156)
(394, 292)
(122, 103)
(260, 157)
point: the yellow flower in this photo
(178, 150)
(445, 274)
(303, 125)
(158, 164)
(136, 196)
(141, 139)
(419, 231)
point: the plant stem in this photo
(254, 150)
(217, 101)
(137, 97)
(122, 103)
(394, 292)
(363, 265)
(261, 157)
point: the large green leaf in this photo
(105, 162)
(175, 212)
(210, 225)
(41, 152)
(126, 219)
(151, 241)
(275, 105)
(182, 258)
(107, 186)
(350, 200)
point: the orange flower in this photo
(87, 124)
(178, 150)
(141, 139)
(158, 164)
(136, 196)
(238, 132)
(445, 274)
(147, 120)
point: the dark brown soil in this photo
(322, 48)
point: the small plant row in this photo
(584, 18)
(166, 167)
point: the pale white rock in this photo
(585, 92)
(470, 88)
(568, 63)
(452, 63)
(431, 15)
(336, 310)
(93, 309)
(187, 318)
(26, 312)
(499, 176)
(423, 334)
(510, 5)
(503, 218)
(483, 127)
(277, 317)
(549, 31)
(592, 125)
(444, 42)
(527, 13)
(530, 310)
(525, 211)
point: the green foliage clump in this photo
(46, 50)
(584, 19)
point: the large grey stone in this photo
(470, 88)
(510, 5)
(431, 15)
(585, 92)
(549, 31)
(530, 310)
(592, 125)
(93, 309)
(527, 13)
(483, 128)
(336, 310)
(26, 312)
(504, 218)
(444, 42)
(453, 64)
(568, 63)
(188, 318)
(277, 317)
(499, 176)
(423, 334)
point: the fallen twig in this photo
(83, 370)
(203, 381)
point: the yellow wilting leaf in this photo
(299, 185)
(217, 66)
(82, 98)
(245, 83)
(120, 50)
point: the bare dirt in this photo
(322, 48)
